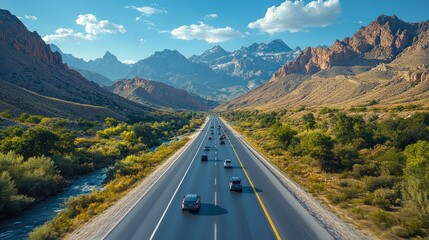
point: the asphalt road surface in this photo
(263, 210)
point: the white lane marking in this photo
(215, 232)
(175, 192)
(215, 181)
(215, 199)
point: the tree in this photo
(319, 146)
(37, 142)
(347, 129)
(309, 121)
(109, 121)
(416, 178)
(283, 133)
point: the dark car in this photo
(191, 202)
(222, 142)
(206, 148)
(235, 184)
(204, 157)
(210, 137)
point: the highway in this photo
(263, 210)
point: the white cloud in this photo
(211, 16)
(34, 18)
(146, 11)
(63, 34)
(94, 27)
(142, 41)
(205, 32)
(297, 16)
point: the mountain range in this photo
(254, 64)
(215, 75)
(385, 63)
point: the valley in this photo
(319, 118)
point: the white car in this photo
(227, 163)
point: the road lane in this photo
(224, 214)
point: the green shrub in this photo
(384, 198)
(383, 181)
(384, 219)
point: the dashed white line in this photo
(215, 232)
(215, 199)
(215, 181)
(175, 192)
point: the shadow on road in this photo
(209, 209)
(248, 189)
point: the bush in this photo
(383, 181)
(319, 146)
(346, 155)
(384, 198)
(383, 219)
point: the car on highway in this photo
(222, 142)
(235, 184)
(227, 163)
(191, 202)
(206, 148)
(210, 137)
(204, 157)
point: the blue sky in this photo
(133, 30)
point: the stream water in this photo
(18, 227)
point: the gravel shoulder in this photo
(100, 226)
(333, 224)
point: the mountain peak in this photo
(277, 45)
(109, 56)
(383, 19)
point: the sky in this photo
(134, 29)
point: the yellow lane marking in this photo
(257, 195)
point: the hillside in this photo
(18, 100)
(385, 62)
(159, 95)
(26, 61)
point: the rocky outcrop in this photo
(380, 42)
(420, 74)
(14, 33)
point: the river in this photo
(18, 227)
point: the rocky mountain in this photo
(95, 77)
(26, 61)
(254, 64)
(158, 94)
(386, 62)
(108, 66)
(172, 68)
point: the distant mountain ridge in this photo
(385, 62)
(216, 74)
(254, 64)
(108, 66)
(158, 94)
(27, 62)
